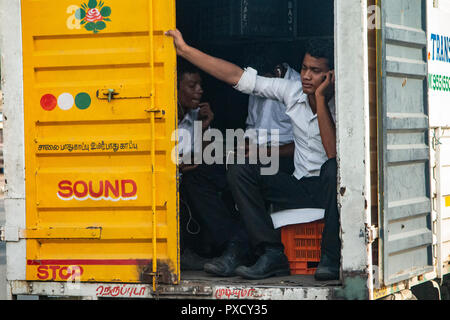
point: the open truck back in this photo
(90, 107)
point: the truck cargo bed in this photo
(204, 278)
(198, 285)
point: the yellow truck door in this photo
(100, 109)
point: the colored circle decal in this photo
(83, 101)
(48, 102)
(65, 101)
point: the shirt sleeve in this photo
(285, 91)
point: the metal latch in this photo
(111, 94)
(372, 233)
(159, 114)
(120, 94)
(108, 94)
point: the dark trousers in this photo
(211, 205)
(253, 191)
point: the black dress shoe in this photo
(234, 256)
(327, 270)
(190, 261)
(272, 263)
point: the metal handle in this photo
(110, 94)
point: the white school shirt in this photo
(186, 144)
(265, 115)
(309, 151)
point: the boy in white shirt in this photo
(267, 117)
(310, 105)
(207, 222)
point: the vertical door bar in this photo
(440, 200)
(153, 144)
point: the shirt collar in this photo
(191, 116)
(303, 98)
(312, 116)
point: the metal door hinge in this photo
(9, 234)
(372, 233)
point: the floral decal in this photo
(93, 15)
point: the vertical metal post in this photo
(353, 142)
(153, 144)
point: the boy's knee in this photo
(238, 172)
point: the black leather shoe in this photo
(224, 266)
(272, 263)
(327, 270)
(190, 261)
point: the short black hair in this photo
(321, 48)
(183, 67)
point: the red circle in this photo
(48, 102)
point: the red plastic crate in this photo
(302, 244)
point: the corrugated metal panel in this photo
(92, 164)
(405, 205)
(444, 219)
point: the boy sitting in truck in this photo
(204, 231)
(310, 105)
(266, 116)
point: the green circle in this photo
(83, 101)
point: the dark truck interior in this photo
(259, 34)
(255, 33)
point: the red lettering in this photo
(123, 290)
(62, 187)
(42, 272)
(133, 191)
(101, 290)
(126, 291)
(109, 186)
(96, 194)
(54, 269)
(82, 194)
(106, 189)
(115, 291)
(62, 275)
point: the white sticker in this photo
(66, 101)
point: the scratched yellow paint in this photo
(90, 165)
